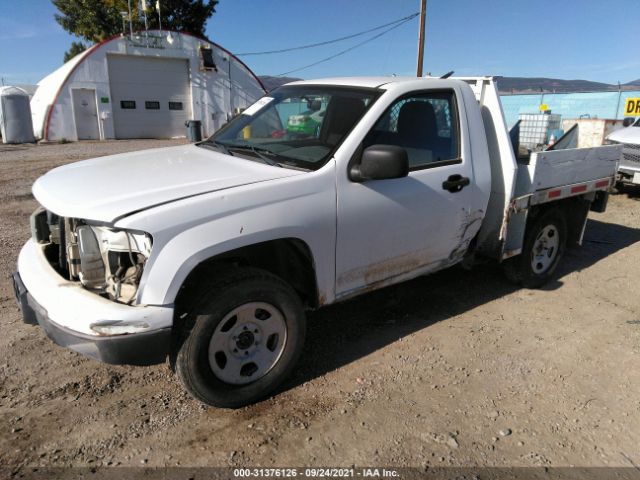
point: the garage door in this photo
(151, 97)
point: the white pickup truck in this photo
(209, 254)
(629, 139)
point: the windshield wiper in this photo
(216, 145)
(222, 147)
(258, 151)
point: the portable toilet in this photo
(16, 125)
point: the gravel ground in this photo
(458, 368)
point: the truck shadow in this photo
(340, 334)
(631, 191)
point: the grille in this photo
(631, 154)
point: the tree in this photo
(76, 48)
(98, 20)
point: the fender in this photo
(189, 231)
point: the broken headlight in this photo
(92, 272)
(108, 260)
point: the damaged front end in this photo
(105, 260)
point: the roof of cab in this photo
(366, 82)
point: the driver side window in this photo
(424, 124)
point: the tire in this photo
(544, 245)
(240, 340)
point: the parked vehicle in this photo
(306, 123)
(211, 253)
(629, 138)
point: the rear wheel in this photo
(241, 339)
(544, 245)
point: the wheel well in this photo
(574, 210)
(288, 258)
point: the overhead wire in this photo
(350, 48)
(399, 21)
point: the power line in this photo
(400, 21)
(406, 19)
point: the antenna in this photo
(447, 75)
(124, 16)
(130, 20)
(159, 15)
(144, 6)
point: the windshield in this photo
(296, 126)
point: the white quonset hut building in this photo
(143, 86)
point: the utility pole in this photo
(423, 13)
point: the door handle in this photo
(455, 183)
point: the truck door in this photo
(394, 229)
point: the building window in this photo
(175, 105)
(152, 105)
(207, 59)
(127, 104)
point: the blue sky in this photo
(585, 39)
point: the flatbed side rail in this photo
(572, 190)
(515, 221)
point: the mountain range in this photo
(541, 84)
(513, 84)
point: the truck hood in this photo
(629, 134)
(107, 188)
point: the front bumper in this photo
(66, 311)
(629, 173)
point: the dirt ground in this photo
(458, 368)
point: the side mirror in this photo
(628, 121)
(381, 162)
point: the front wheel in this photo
(544, 245)
(241, 340)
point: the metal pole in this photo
(423, 13)
(619, 98)
(144, 12)
(159, 15)
(230, 88)
(130, 20)
(146, 25)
